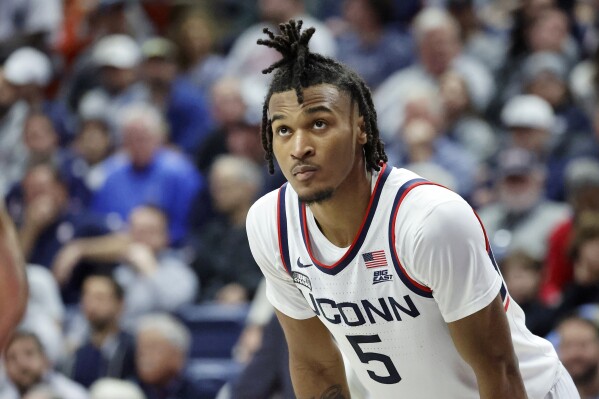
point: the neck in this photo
(370, 33)
(98, 337)
(340, 217)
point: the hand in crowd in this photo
(66, 260)
(141, 258)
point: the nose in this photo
(303, 147)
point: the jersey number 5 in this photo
(367, 357)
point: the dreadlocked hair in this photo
(298, 69)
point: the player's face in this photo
(317, 143)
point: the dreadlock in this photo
(299, 68)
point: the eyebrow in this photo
(312, 110)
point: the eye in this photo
(320, 124)
(283, 131)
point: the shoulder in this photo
(264, 210)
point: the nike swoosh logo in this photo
(301, 265)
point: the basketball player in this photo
(13, 282)
(390, 269)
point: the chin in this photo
(316, 197)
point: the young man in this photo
(397, 270)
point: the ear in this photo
(362, 135)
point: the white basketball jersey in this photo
(387, 298)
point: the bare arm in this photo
(316, 365)
(13, 281)
(108, 248)
(483, 339)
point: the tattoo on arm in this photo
(333, 392)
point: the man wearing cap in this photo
(531, 123)
(521, 219)
(184, 107)
(30, 71)
(118, 57)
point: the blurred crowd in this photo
(130, 155)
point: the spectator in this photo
(182, 105)
(108, 351)
(44, 219)
(195, 35)
(439, 50)
(92, 145)
(109, 388)
(153, 276)
(161, 355)
(118, 57)
(45, 313)
(42, 143)
(422, 138)
(480, 42)
(12, 148)
(27, 366)
(582, 186)
(521, 219)
(150, 174)
(584, 251)
(530, 121)
(463, 123)
(369, 45)
(33, 23)
(30, 72)
(522, 275)
(229, 276)
(245, 59)
(578, 349)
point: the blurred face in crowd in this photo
(195, 37)
(228, 106)
(149, 226)
(579, 349)
(531, 139)
(454, 94)
(550, 88)
(518, 193)
(437, 49)
(157, 360)
(521, 278)
(549, 31)
(159, 72)
(93, 142)
(141, 142)
(25, 363)
(244, 140)
(100, 303)
(360, 14)
(278, 11)
(228, 190)
(586, 266)
(40, 137)
(40, 182)
(116, 80)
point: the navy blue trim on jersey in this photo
(356, 246)
(282, 225)
(414, 286)
(503, 289)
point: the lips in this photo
(303, 171)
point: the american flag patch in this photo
(375, 259)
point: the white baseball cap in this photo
(528, 111)
(119, 51)
(28, 66)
